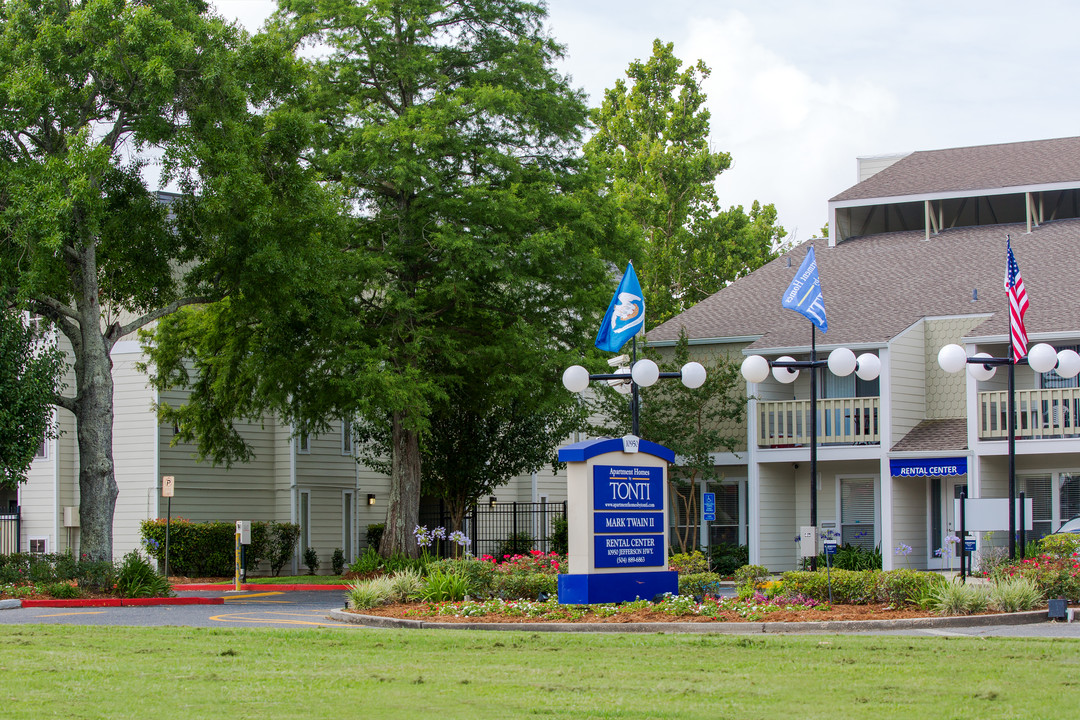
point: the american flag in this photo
(1018, 303)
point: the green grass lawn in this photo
(184, 673)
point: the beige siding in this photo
(945, 392)
(778, 526)
(134, 434)
(907, 375)
(909, 518)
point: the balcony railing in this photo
(1053, 413)
(841, 421)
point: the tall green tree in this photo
(652, 141)
(470, 257)
(87, 89)
(30, 373)
(692, 423)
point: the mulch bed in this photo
(418, 611)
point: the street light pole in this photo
(1042, 358)
(841, 362)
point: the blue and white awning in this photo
(928, 467)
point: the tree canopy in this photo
(652, 141)
(469, 243)
(90, 91)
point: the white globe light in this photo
(1042, 358)
(869, 366)
(783, 374)
(622, 386)
(693, 374)
(755, 369)
(980, 371)
(1068, 363)
(952, 358)
(575, 378)
(841, 362)
(645, 372)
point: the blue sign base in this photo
(586, 589)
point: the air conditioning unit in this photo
(71, 516)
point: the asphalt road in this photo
(309, 609)
(300, 609)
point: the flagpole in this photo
(813, 438)
(633, 391)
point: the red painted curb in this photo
(93, 602)
(218, 587)
(127, 602)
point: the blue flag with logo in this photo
(804, 293)
(625, 316)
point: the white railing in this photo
(850, 421)
(1053, 413)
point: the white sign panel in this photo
(168, 485)
(808, 541)
(991, 514)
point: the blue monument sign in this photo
(617, 521)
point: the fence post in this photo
(514, 533)
(472, 530)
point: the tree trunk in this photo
(94, 420)
(403, 510)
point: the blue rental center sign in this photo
(628, 487)
(928, 467)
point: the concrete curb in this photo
(10, 604)
(731, 628)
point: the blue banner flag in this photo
(804, 293)
(625, 315)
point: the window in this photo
(303, 443)
(727, 528)
(346, 438)
(857, 505)
(1069, 495)
(39, 546)
(1053, 380)
(1037, 489)
(43, 449)
(347, 525)
(304, 520)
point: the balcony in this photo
(841, 421)
(1053, 413)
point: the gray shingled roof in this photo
(935, 436)
(980, 167)
(876, 286)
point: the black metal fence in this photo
(10, 531)
(500, 529)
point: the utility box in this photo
(808, 541)
(71, 516)
(243, 527)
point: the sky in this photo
(798, 90)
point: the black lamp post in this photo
(841, 362)
(1042, 358)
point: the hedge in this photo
(856, 587)
(209, 549)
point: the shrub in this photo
(1062, 545)
(560, 535)
(952, 598)
(518, 543)
(337, 561)
(311, 560)
(852, 557)
(374, 535)
(405, 584)
(524, 585)
(699, 584)
(726, 558)
(906, 586)
(689, 563)
(478, 574)
(1015, 595)
(1053, 576)
(64, 590)
(443, 587)
(136, 578)
(748, 576)
(364, 594)
(209, 549)
(368, 562)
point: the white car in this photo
(1073, 526)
